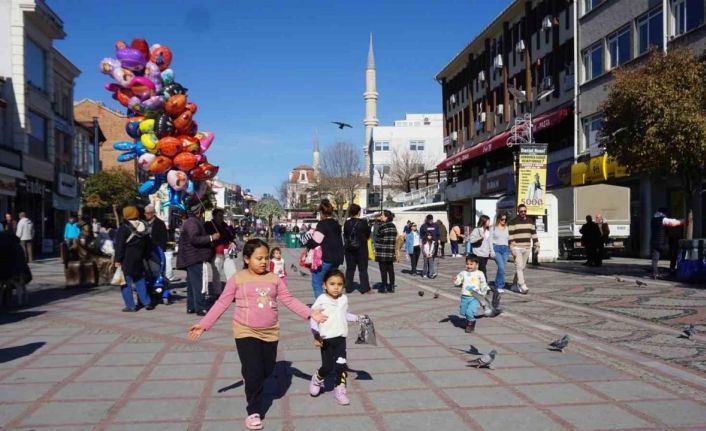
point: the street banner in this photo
(532, 177)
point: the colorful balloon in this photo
(173, 89)
(141, 45)
(132, 127)
(161, 56)
(205, 171)
(182, 123)
(205, 140)
(164, 126)
(131, 59)
(185, 161)
(177, 180)
(160, 165)
(169, 146)
(175, 105)
(145, 160)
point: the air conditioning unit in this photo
(498, 61)
(481, 117)
(520, 47)
(452, 99)
(499, 109)
(547, 23)
(547, 83)
(454, 136)
(481, 76)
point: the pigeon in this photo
(484, 360)
(561, 343)
(302, 273)
(293, 267)
(688, 332)
(420, 293)
(341, 125)
(436, 294)
(619, 279)
(640, 283)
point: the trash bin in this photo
(292, 240)
(691, 262)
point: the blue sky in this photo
(267, 73)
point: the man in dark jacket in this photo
(195, 248)
(157, 228)
(355, 235)
(131, 250)
(443, 236)
(659, 240)
(430, 227)
(590, 238)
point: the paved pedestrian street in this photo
(71, 360)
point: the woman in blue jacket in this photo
(412, 244)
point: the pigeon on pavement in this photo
(436, 294)
(420, 293)
(688, 332)
(619, 279)
(293, 267)
(302, 273)
(561, 343)
(484, 360)
(640, 283)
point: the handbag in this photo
(118, 278)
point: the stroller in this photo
(157, 284)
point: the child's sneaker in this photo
(315, 385)
(253, 422)
(470, 327)
(339, 392)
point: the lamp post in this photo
(381, 172)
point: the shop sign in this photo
(66, 185)
(494, 183)
(34, 187)
(8, 186)
(532, 182)
(559, 173)
(597, 169)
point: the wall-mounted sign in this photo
(66, 185)
(532, 184)
(494, 183)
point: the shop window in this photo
(649, 31)
(619, 48)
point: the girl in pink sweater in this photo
(255, 322)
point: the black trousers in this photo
(357, 259)
(387, 270)
(442, 245)
(258, 361)
(415, 258)
(333, 358)
(482, 264)
(194, 298)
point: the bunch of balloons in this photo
(167, 142)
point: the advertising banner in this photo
(532, 182)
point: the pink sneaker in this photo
(253, 422)
(339, 392)
(315, 385)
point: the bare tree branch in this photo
(405, 165)
(340, 175)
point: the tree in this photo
(268, 208)
(405, 165)
(655, 120)
(340, 175)
(114, 188)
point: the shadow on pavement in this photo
(17, 316)
(456, 321)
(8, 354)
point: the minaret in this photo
(316, 155)
(371, 104)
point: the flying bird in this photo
(688, 332)
(341, 125)
(560, 344)
(484, 361)
(640, 283)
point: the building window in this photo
(302, 176)
(37, 134)
(90, 158)
(619, 48)
(593, 61)
(382, 146)
(591, 126)
(589, 5)
(649, 31)
(385, 169)
(686, 15)
(35, 65)
(416, 145)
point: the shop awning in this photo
(498, 141)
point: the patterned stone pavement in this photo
(72, 361)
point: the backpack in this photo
(352, 241)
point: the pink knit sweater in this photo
(255, 301)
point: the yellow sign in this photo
(578, 174)
(533, 178)
(596, 170)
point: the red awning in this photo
(498, 141)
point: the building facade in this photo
(37, 125)
(623, 33)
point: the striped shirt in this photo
(522, 233)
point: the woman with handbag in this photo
(328, 237)
(385, 250)
(480, 240)
(500, 249)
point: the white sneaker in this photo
(524, 289)
(501, 291)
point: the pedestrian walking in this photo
(500, 250)
(659, 246)
(443, 237)
(429, 256)
(430, 226)
(455, 237)
(96, 226)
(255, 322)
(385, 249)
(195, 248)
(605, 236)
(25, 232)
(521, 235)
(71, 231)
(591, 239)
(277, 264)
(131, 250)
(221, 246)
(481, 236)
(329, 237)
(356, 233)
(9, 224)
(14, 271)
(330, 336)
(413, 246)
(474, 288)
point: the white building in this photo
(417, 140)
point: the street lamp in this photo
(381, 172)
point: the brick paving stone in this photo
(170, 388)
(162, 426)
(599, 416)
(589, 372)
(433, 364)
(408, 342)
(131, 358)
(674, 413)
(192, 371)
(424, 352)
(324, 405)
(524, 375)
(64, 413)
(405, 400)
(557, 358)
(110, 373)
(81, 348)
(341, 423)
(514, 418)
(447, 379)
(9, 412)
(270, 425)
(392, 381)
(23, 392)
(91, 391)
(162, 410)
(528, 347)
(371, 366)
(486, 397)
(558, 393)
(39, 375)
(68, 360)
(439, 420)
(630, 390)
(60, 428)
(94, 338)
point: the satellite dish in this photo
(517, 94)
(545, 93)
